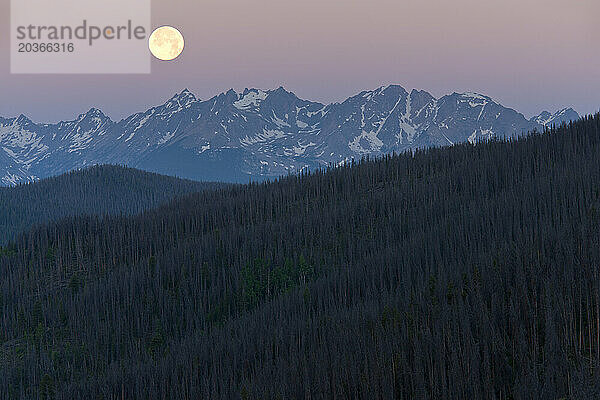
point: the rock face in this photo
(257, 134)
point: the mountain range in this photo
(257, 134)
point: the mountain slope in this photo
(98, 190)
(462, 272)
(257, 134)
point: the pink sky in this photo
(528, 54)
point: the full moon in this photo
(166, 43)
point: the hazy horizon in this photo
(528, 55)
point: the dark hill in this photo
(97, 190)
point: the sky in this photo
(531, 55)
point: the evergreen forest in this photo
(466, 272)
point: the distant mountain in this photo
(256, 134)
(105, 190)
(547, 119)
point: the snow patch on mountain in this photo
(546, 119)
(166, 137)
(258, 133)
(265, 136)
(251, 99)
(405, 120)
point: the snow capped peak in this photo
(566, 111)
(225, 97)
(93, 114)
(395, 87)
(280, 90)
(182, 99)
(547, 119)
(96, 113)
(22, 119)
(390, 90)
(475, 96)
(251, 98)
(474, 100)
(543, 118)
(546, 114)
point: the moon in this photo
(166, 43)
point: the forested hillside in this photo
(456, 273)
(97, 190)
